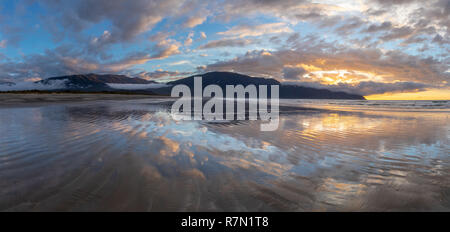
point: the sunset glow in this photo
(434, 94)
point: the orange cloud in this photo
(432, 94)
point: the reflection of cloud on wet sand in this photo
(170, 147)
(132, 159)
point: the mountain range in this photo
(94, 82)
(121, 83)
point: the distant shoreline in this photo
(21, 98)
(77, 92)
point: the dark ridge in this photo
(226, 78)
(286, 91)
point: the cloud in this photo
(379, 27)
(128, 18)
(161, 50)
(293, 38)
(393, 2)
(385, 65)
(256, 30)
(68, 60)
(157, 74)
(294, 10)
(367, 88)
(194, 21)
(315, 62)
(370, 87)
(97, 44)
(257, 62)
(181, 62)
(293, 73)
(389, 41)
(441, 40)
(165, 49)
(51, 63)
(33, 79)
(398, 33)
(406, 18)
(160, 36)
(226, 43)
(189, 40)
(349, 26)
(202, 35)
(126, 62)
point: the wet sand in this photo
(131, 156)
(37, 99)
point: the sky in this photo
(382, 49)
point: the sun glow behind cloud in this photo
(432, 94)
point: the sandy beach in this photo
(130, 155)
(23, 99)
